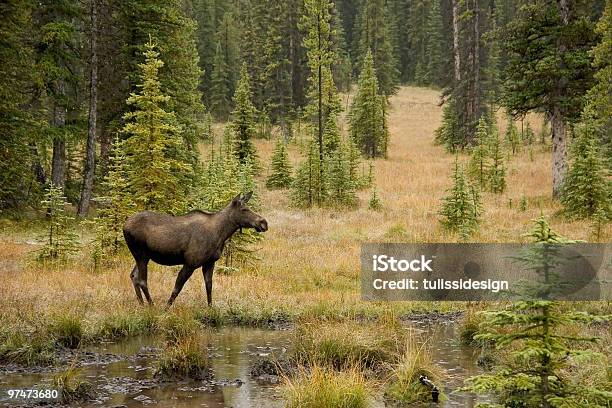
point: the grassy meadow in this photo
(307, 272)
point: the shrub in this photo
(342, 345)
(325, 388)
(184, 358)
(404, 386)
(72, 387)
(66, 330)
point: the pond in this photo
(122, 373)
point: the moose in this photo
(193, 240)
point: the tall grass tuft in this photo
(66, 330)
(177, 325)
(321, 387)
(404, 386)
(346, 344)
(127, 324)
(185, 358)
(30, 349)
(72, 387)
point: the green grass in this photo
(404, 387)
(185, 358)
(321, 387)
(72, 387)
(67, 330)
(345, 344)
(29, 349)
(133, 323)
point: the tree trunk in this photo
(456, 41)
(90, 157)
(320, 108)
(58, 163)
(559, 161)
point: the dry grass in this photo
(309, 259)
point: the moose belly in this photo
(167, 258)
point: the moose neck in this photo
(227, 226)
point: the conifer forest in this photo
(267, 141)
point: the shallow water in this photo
(122, 372)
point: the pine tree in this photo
(219, 102)
(17, 55)
(243, 120)
(180, 75)
(374, 203)
(449, 134)
(549, 69)
(600, 95)
(114, 207)
(461, 208)
(532, 332)
(479, 160)
(434, 46)
(340, 188)
(60, 240)
(373, 35)
(496, 172)
(512, 137)
(322, 95)
(280, 177)
(528, 135)
(587, 187)
(367, 117)
(308, 189)
(158, 168)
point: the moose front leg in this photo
(182, 277)
(207, 271)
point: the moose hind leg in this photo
(142, 279)
(182, 277)
(134, 277)
(207, 271)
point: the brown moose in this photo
(193, 240)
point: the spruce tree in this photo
(528, 135)
(375, 203)
(219, 102)
(114, 207)
(158, 167)
(496, 171)
(434, 46)
(461, 208)
(243, 120)
(280, 176)
(367, 117)
(450, 132)
(322, 94)
(340, 187)
(512, 136)
(479, 161)
(587, 187)
(60, 240)
(308, 189)
(532, 331)
(373, 35)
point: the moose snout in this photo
(262, 225)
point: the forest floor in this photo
(309, 259)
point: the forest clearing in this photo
(271, 154)
(293, 282)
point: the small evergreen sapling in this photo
(60, 240)
(280, 176)
(496, 172)
(478, 165)
(512, 136)
(114, 207)
(375, 203)
(461, 208)
(540, 351)
(341, 187)
(587, 187)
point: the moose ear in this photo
(247, 197)
(237, 199)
